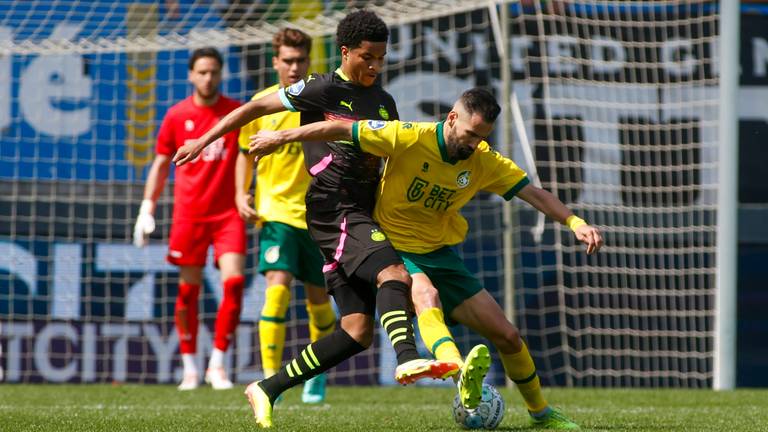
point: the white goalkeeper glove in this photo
(145, 223)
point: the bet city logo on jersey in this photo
(435, 197)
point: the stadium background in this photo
(79, 303)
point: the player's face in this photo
(464, 132)
(364, 63)
(291, 64)
(206, 77)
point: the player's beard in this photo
(460, 152)
(464, 152)
(208, 95)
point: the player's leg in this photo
(289, 252)
(272, 320)
(446, 269)
(482, 314)
(322, 322)
(393, 302)
(315, 359)
(187, 298)
(278, 262)
(229, 245)
(354, 335)
(228, 317)
(310, 262)
(187, 248)
(322, 319)
(435, 334)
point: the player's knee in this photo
(424, 297)
(187, 294)
(278, 277)
(233, 287)
(361, 332)
(508, 340)
(395, 272)
(365, 339)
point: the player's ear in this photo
(451, 119)
(275, 60)
(344, 52)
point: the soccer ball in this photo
(487, 415)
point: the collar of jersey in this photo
(441, 144)
(340, 73)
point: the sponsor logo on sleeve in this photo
(376, 124)
(296, 88)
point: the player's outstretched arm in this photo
(548, 204)
(266, 142)
(236, 119)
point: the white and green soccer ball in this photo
(487, 415)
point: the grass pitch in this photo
(162, 408)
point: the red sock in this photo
(229, 312)
(186, 317)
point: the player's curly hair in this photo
(360, 26)
(480, 101)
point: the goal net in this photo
(619, 104)
(621, 100)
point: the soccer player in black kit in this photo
(340, 203)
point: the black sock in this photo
(392, 304)
(314, 359)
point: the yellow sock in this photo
(272, 327)
(436, 336)
(322, 320)
(520, 369)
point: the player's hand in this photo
(244, 204)
(591, 237)
(188, 152)
(265, 142)
(145, 223)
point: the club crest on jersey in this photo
(377, 235)
(376, 124)
(383, 113)
(272, 254)
(296, 88)
(462, 180)
(189, 125)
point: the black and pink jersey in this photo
(342, 174)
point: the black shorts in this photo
(345, 237)
(357, 293)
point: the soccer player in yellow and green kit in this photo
(286, 250)
(432, 171)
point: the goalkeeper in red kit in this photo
(204, 214)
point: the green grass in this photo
(162, 408)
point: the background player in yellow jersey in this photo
(286, 250)
(432, 171)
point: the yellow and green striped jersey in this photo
(422, 189)
(281, 178)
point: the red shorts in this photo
(188, 245)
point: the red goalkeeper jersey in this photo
(204, 188)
